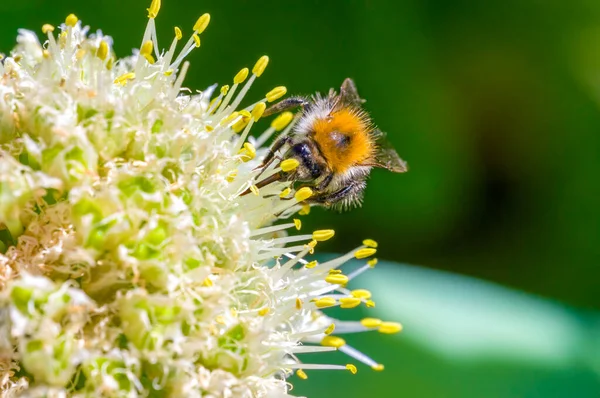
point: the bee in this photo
(336, 145)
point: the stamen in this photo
(202, 23)
(371, 322)
(47, 28)
(301, 374)
(196, 40)
(260, 65)
(297, 224)
(333, 341)
(102, 51)
(329, 329)
(154, 9)
(361, 294)
(325, 302)
(323, 235)
(351, 368)
(282, 120)
(241, 76)
(364, 253)
(275, 228)
(359, 356)
(390, 328)
(305, 210)
(370, 243)
(71, 20)
(303, 194)
(349, 302)
(276, 93)
(285, 193)
(178, 33)
(289, 165)
(258, 110)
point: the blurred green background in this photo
(495, 106)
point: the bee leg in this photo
(277, 145)
(325, 183)
(284, 105)
(348, 196)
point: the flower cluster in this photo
(133, 264)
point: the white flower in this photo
(132, 262)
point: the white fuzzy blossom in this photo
(135, 262)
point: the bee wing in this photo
(386, 156)
(349, 94)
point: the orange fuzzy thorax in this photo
(344, 139)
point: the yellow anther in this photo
(124, 78)
(351, 368)
(312, 264)
(110, 63)
(301, 374)
(202, 23)
(333, 341)
(224, 89)
(370, 243)
(335, 271)
(231, 176)
(102, 51)
(364, 253)
(297, 223)
(168, 72)
(305, 210)
(154, 9)
(330, 329)
(263, 311)
(372, 262)
(196, 39)
(239, 125)
(282, 120)
(214, 104)
(285, 193)
(379, 367)
(47, 28)
(390, 327)
(276, 93)
(260, 65)
(229, 118)
(254, 190)
(241, 76)
(245, 114)
(303, 194)
(289, 165)
(370, 304)
(349, 302)
(322, 235)
(258, 110)
(233, 312)
(248, 152)
(298, 304)
(311, 245)
(147, 48)
(46, 53)
(325, 302)
(71, 20)
(337, 279)
(207, 282)
(361, 294)
(371, 322)
(178, 33)
(80, 54)
(220, 319)
(209, 128)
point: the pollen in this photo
(333, 341)
(351, 368)
(178, 33)
(361, 294)
(303, 194)
(323, 234)
(338, 279)
(305, 210)
(289, 165)
(282, 121)
(285, 193)
(364, 253)
(154, 9)
(298, 304)
(260, 65)
(71, 20)
(276, 93)
(349, 302)
(390, 328)
(224, 89)
(258, 110)
(312, 264)
(301, 374)
(344, 139)
(297, 224)
(47, 28)
(325, 302)
(202, 23)
(196, 40)
(102, 51)
(241, 76)
(330, 329)
(371, 322)
(370, 243)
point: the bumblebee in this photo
(336, 145)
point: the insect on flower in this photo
(335, 145)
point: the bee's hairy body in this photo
(336, 146)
